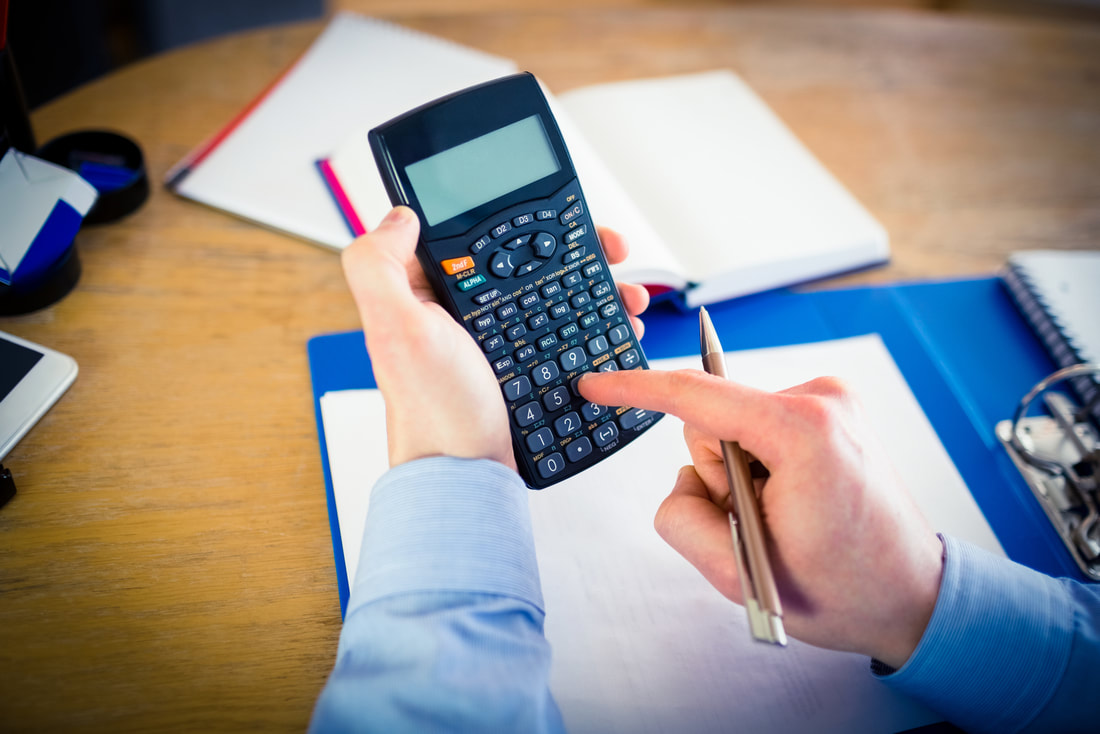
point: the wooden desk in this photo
(167, 565)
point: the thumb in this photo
(375, 267)
(699, 530)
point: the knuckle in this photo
(831, 386)
(818, 412)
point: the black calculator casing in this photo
(537, 294)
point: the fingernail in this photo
(399, 216)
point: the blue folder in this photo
(962, 346)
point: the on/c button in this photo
(457, 265)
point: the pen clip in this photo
(761, 625)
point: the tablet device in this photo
(32, 378)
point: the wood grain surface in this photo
(167, 562)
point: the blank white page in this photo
(724, 182)
(641, 642)
(359, 73)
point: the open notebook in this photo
(715, 194)
(617, 597)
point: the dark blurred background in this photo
(61, 44)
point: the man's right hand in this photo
(857, 565)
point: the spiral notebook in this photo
(1059, 295)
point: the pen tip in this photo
(707, 337)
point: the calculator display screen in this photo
(476, 172)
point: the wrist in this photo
(901, 635)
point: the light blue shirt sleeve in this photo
(1008, 649)
(444, 626)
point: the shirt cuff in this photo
(996, 646)
(447, 524)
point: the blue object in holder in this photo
(112, 163)
(42, 207)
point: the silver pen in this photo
(746, 526)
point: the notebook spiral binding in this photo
(1059, 341)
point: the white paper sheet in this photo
(359, 73)
(641, 642)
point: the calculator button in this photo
(592, 411)
(515, 332)
(605, 433)
(456, 265)
(597, 345)
(543, 214)
(575, 234)
(634, 417)
(601, 289)
(629, 358)
(523, 219)
(503, 365)
(528, 267)
(592, 268)
(474, 282)
(501, 229)
(568, 331)
(609, 366)
(517, 242)
(480, 244)
(550, 466)
(482, 323)
(547, 341)
(619, 334)
(609, 309)
(577, 450)
(545, 372)
(573, 359)
(589, 320)
(493, 343)
(528, 413)
(580, 299)
(539, 320)
(556, 398)
(544, 245)
(540, 439)
(507, 311)
(486, 296)
(571, 279)
(528, 300)
(551, 289)
(525, 353)
(502, 265)
(559, 310)
(571, 213)
(573, 255)
(567, 424)
(575, 385)
(517, 388)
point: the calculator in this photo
(510, 249)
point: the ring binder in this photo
(1059, 458)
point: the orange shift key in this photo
(457, 265)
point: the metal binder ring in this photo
(1066, 373)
